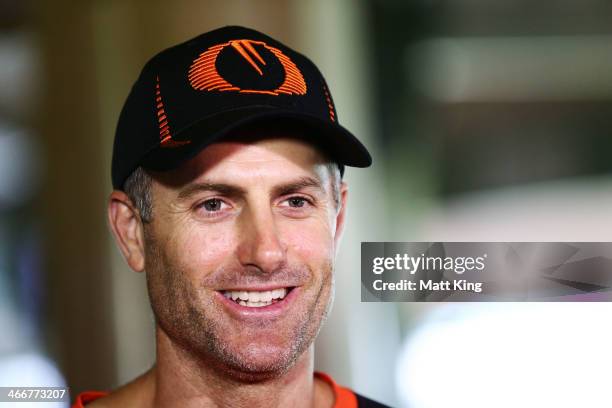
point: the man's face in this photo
(240, 252)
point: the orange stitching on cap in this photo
(330, 104)
(162, 120)
(253, 51)
(203, 74)
(237, 46)
(294, 81)
(203, 71)
(257, 91)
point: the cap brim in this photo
(339, 143)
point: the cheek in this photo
(201, 250)
(312, 244)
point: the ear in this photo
(127, 228)
(341, 215)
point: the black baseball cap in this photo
(193, 94)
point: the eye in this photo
(296, 202)
(212, 205)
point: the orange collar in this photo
(345, 398)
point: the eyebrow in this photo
(295, 186)
(225, 189)
(232, 190)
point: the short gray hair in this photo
(138, 188)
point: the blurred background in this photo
(488, 121)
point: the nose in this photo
(260, 243)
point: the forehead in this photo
(250, 158)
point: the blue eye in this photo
(296, 202)
(212, 205)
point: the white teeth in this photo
(255, 298)
(279, 293)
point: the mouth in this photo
(255, 298)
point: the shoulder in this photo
(89, 398)
(134, 394)
(346, 397)
(99, 399)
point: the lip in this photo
(272, 311)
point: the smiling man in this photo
(228, 193)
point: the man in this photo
(227, 168)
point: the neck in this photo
(181, 379)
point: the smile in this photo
(256, 298)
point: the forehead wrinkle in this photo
(206, 172)
(245, 160)
(275, 148)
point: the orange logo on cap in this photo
(203, 74)
(165, 137)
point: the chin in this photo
(255, 361)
